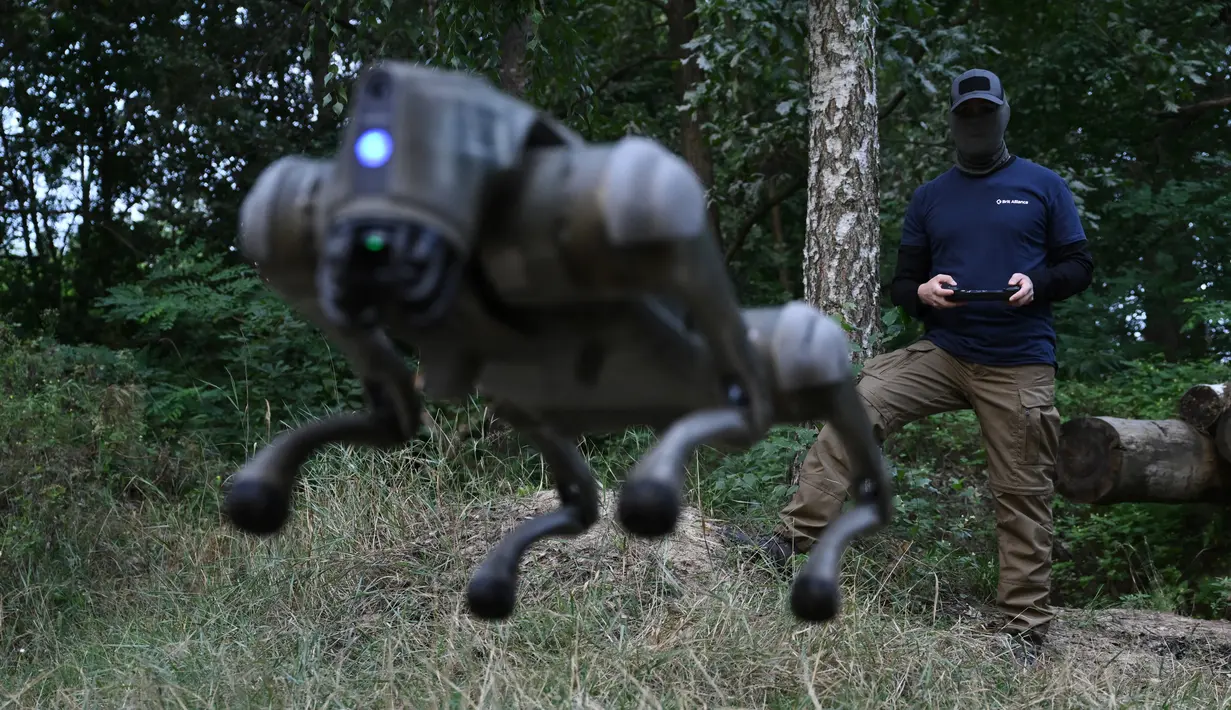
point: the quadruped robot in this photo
(575, 286)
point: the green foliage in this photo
(268, 365)
(74, 433)
(1129, 553)
(751, 485)
(1149, 388)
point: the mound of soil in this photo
(696, 556)
(695, 550)
(1146, 641)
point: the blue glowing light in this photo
(374, 147)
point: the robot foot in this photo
(492, 593)
(651, 498)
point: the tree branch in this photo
(1173, 123)
(1193, 110)
(894, 102)
(30, 211)
(774, 198)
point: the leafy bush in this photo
(73, 431)
(221, 355)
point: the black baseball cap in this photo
(975, 84)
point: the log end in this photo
(1201, 405)
(1088, 460)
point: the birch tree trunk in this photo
(841, 257)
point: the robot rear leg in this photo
(493, 588)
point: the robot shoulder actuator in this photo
(650, 194)
(805, 347)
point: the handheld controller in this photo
(967, 295)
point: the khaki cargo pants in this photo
(1020, 426)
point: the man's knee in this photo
(870, 391)
(827, 441)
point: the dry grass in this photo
(360, 605)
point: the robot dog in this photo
(575, 286)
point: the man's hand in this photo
(933, 294)
(1025, 295)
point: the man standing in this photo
(990, 221)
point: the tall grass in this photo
(360, 604)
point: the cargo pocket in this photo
(878, 366)
(1038, 416)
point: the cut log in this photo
(1201, 405)
(1110, 460)
(1222, 436)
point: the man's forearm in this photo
(1070, 272)
(914, 263)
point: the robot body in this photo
(575, 286)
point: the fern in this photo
(218, 349)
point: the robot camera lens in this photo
(374, 240)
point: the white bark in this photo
(842, 245)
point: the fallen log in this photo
(1202, 405)
(1111, 460)
(1222, 436)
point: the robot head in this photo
(392, 218)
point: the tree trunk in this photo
(1163, 327)
(841, 258)
(513, 74)
(1202, 405)
(681, 28)
(784, 275)
(1109, 460)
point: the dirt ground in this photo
(1140, 641)
(1144, 640)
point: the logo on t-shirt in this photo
(1012, 202)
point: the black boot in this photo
(1027, 645)
(777, 548)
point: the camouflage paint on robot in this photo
(575, 286)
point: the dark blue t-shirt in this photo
(980, 231)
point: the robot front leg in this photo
(258, 498)
(651, 497)
(493, 588)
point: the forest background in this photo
(141, 360)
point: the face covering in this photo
(980, 140)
